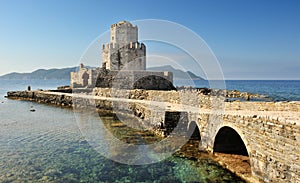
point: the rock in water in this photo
(32, 109)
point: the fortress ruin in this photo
(123, 64)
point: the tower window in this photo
(112, 38)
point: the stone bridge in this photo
(267, 132)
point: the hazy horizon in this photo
(251, 40)
(28, 72)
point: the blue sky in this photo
(255, 39)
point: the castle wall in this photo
(124, 52)
(106, 57)
(129, 57)
(84, 77)
(128, 79)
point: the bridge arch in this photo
(193, 131)
(232, 148)
(228, 140)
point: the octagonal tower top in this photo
(122, 33)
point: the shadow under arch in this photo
(228, 141)
(193, 131)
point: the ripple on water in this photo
(50, 148)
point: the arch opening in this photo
(228, 141)
(194, 131)
(192, 148)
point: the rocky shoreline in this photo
(47, 97)
(230, 95)
(61, 96)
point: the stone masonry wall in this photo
(273, 146)
(135, 79)
(272, 141)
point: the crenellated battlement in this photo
(131, 45)
(123, 22)
(124, 51)
(136, 45)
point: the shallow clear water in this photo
(47, 146)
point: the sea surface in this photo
(276, 90)
(48, 146)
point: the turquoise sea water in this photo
(47, 145)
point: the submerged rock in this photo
(32, 109)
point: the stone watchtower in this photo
(123, 64)
(124, 52)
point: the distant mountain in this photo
(42, 74)
(64, 73)
(177, 74)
